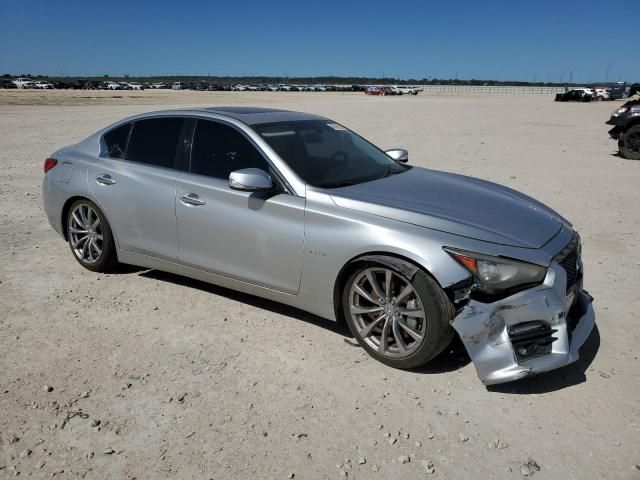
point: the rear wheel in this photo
(90, 237)
(401, 322)
(629, 143)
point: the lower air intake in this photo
(531, 339)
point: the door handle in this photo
(191, 199)
(105, 179)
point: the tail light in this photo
(49, 163)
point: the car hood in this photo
(455, 204)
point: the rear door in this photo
(135, 185)
(254, 237)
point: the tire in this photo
(90, 238)
(426, 298)
(629, 144)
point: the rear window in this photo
(116, 141)
(154, 141)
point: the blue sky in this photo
(503, 40)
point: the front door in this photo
(252, 237)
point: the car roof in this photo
(246, 115)
(257, 115)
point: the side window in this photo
(116, 141)
(154, 141)
(219, 149)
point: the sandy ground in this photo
(180, 379)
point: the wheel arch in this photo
(633, 121)
(65, 215)
(402, 264)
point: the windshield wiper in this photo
(338, 184)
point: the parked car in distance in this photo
(602, 93)
(617, 90)
(405, 90)
(89, 85)
(110, 86)
(135, 85)
(4, 83)
(158, 85)
(383, 91)
(42, 85)
(240, 88)
(179, 86)
(626, 129)
(23, 82)
(588, 90)
(576, 95)
(406, 256)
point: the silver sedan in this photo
(297, 208)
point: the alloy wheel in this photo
(85, 234)
(387, 312)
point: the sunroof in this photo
(243, 110)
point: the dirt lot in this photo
(180, 379)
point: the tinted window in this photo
(154, 141)
(219, 149)
(116, 141)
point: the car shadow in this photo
(564, 377)
(619, 155)
(453, 358)
(124, 269)
(254, 301)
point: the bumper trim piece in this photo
(483, 328)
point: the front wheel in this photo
(90, 237)
(629, 143)
(401, 322)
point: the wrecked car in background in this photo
(297, 208)
(626, 128)
(576, 95)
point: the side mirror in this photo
(398, 154)
(250, 180)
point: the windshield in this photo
(326, 154)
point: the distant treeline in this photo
(329, 80)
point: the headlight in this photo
(497, 273)
(620, 111)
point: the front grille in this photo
(531, 339)
(569, 259)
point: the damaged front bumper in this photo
(530, 332)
